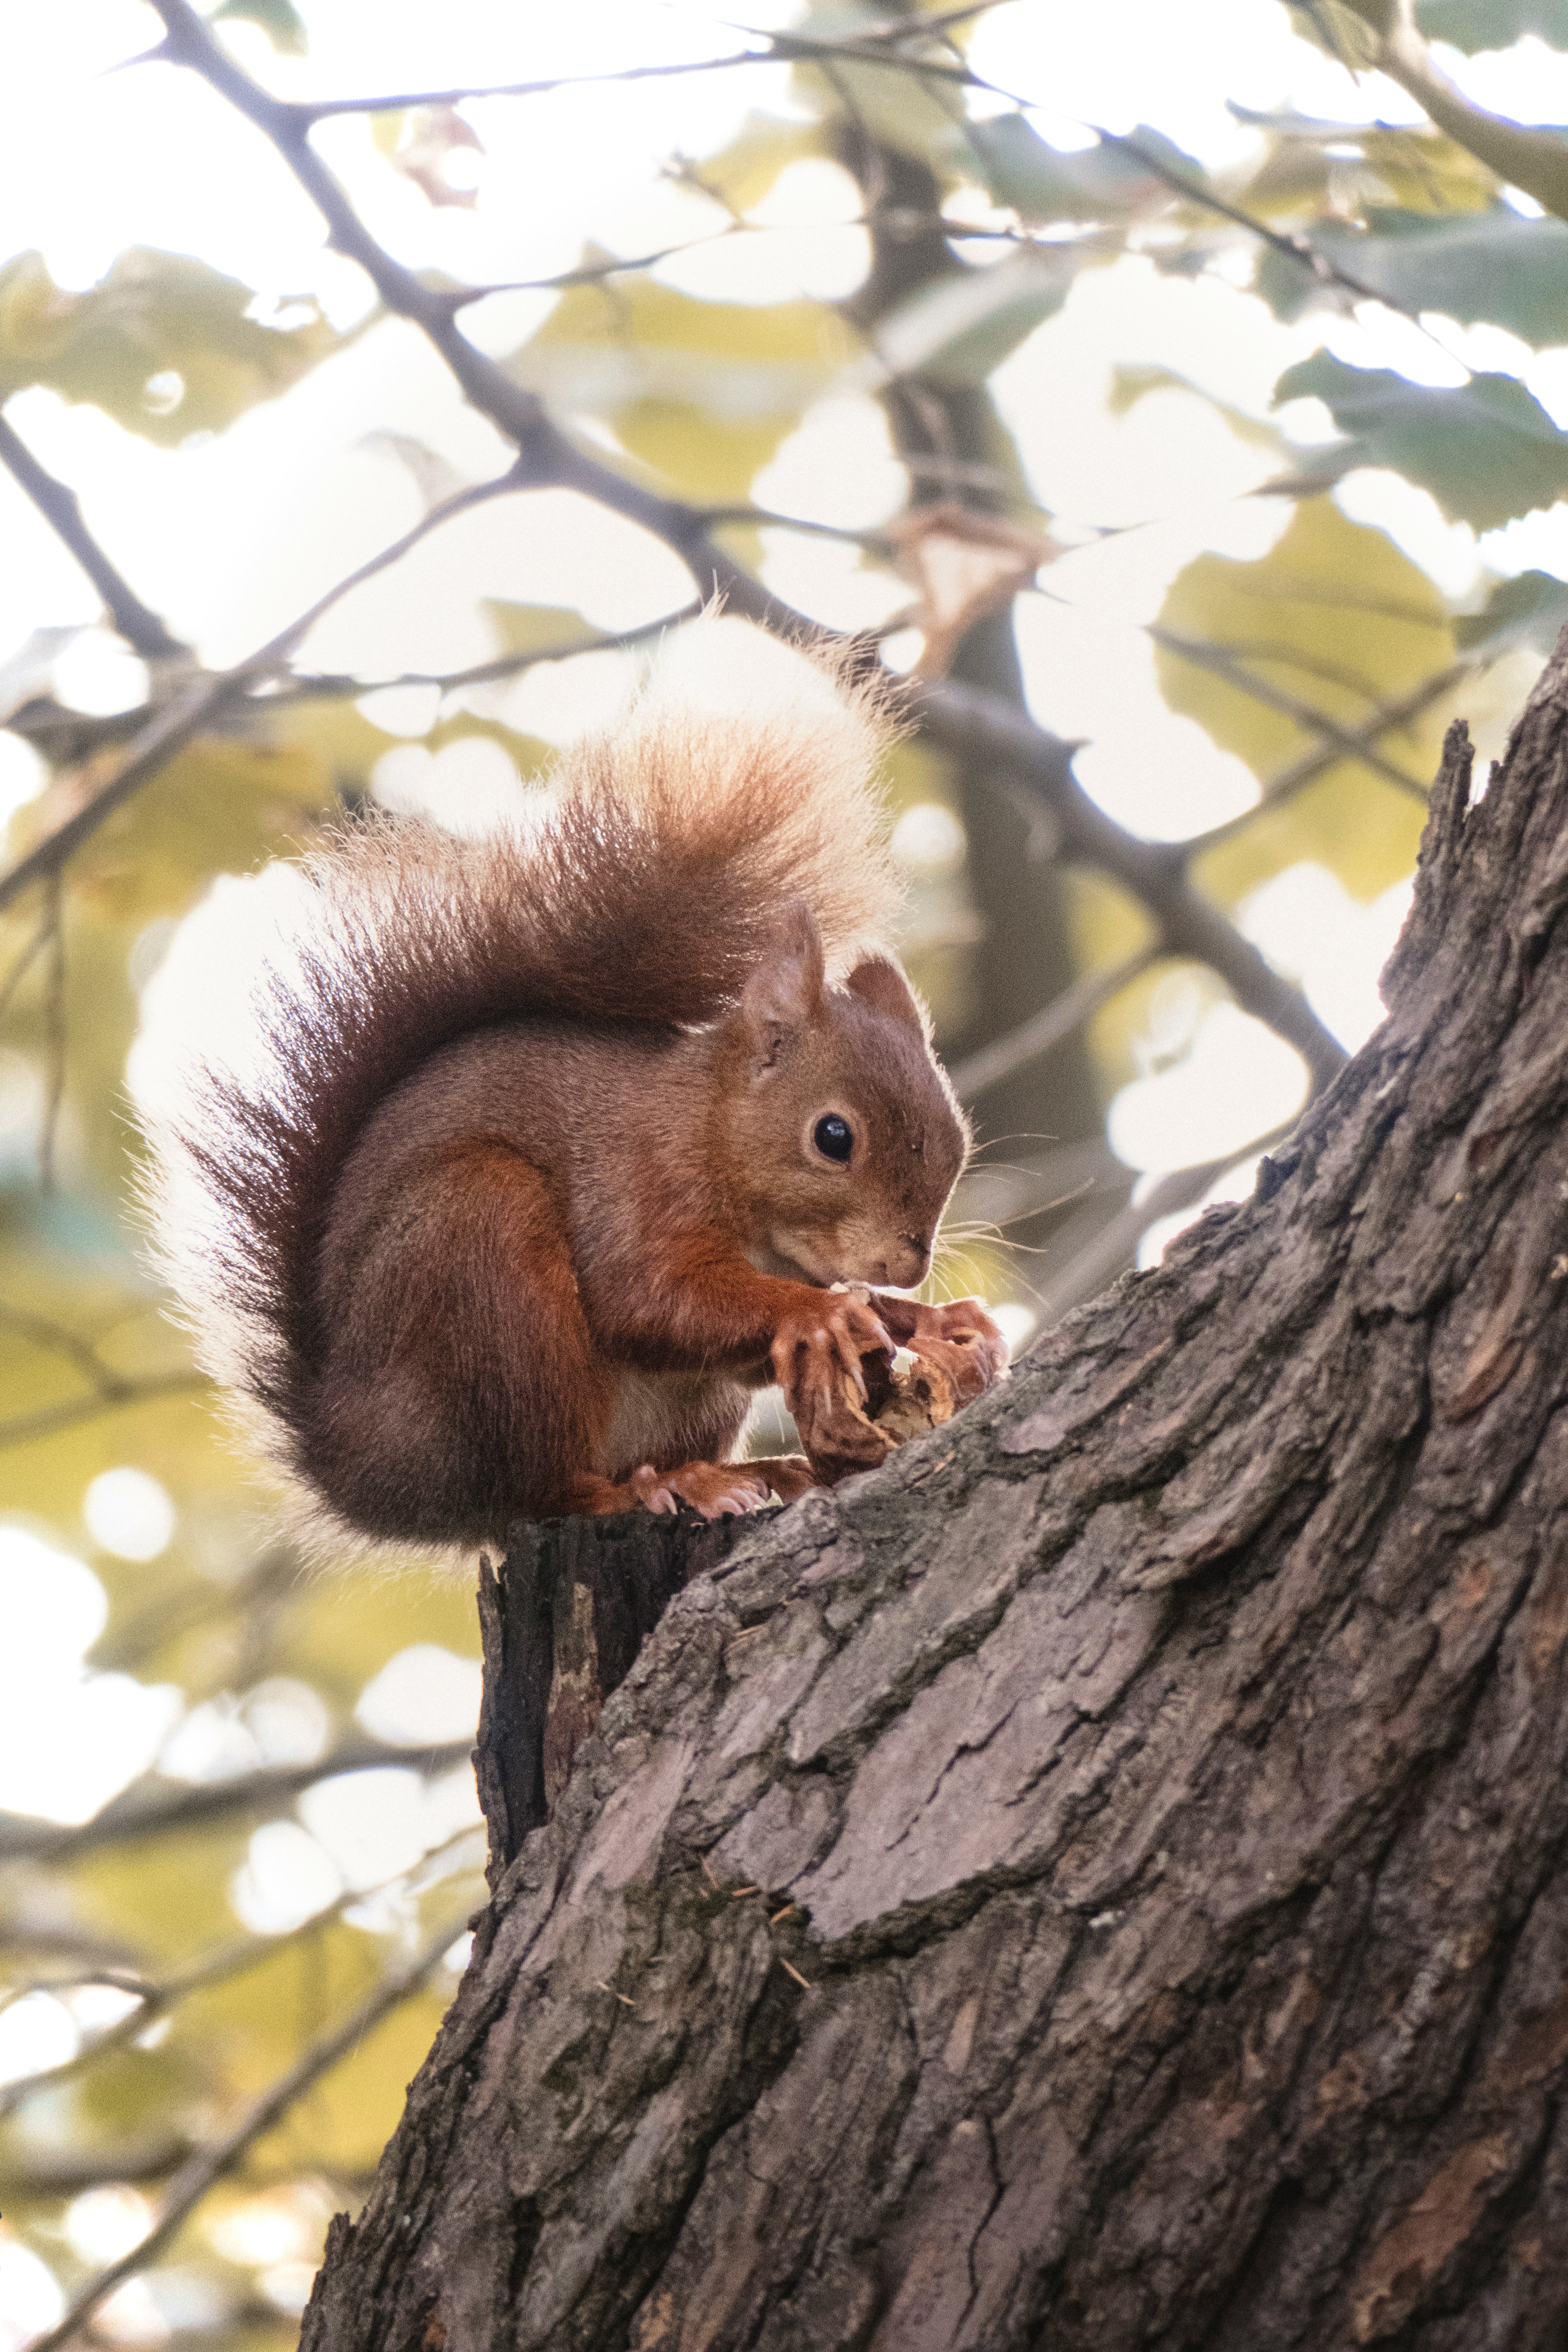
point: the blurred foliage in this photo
(166, 345)
(696, 396)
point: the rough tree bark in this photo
(1163, 1768)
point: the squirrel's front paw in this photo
(817, 1358)
(963, 1341)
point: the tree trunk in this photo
(1100, 1881)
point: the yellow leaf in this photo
(1334, 617)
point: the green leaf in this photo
(703, 391)
(1331, 169)
(1472, 25)
(1487, 450)
(164, 343)
(1109, 181)
(1476, 264)
(955, 329)
(1335, 618)
(742, 174)
(536, 628)
(1530, 610)
(279, 19)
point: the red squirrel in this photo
(560, 1137)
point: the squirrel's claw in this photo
(715, 1490)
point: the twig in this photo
(207, 2166)
(963, 718)
(23, 1428)
(169, 733)
(1222, 662)
(67, 2175)
(592, 273)
(1036, 1037)
(45, 1332)
(23, 965)
(232, 1960)
(110, 1388)
(304, 687)
(60, 508)
(1112, 1249)
(1306, 770)
(141, 1814)
(872, 47)
(54, 1028)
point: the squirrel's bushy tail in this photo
(644, 890)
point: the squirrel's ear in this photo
(785, 993)
(878, 981)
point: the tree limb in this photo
(303, 687)
(1222, 662)
(207, 2166)
(1533, 160)
(60, 508)
(1032, 1039)
(172, 729)
(1156, 872)
(143, 1812)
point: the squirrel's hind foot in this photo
(716, 1489)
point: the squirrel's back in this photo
(665, 848)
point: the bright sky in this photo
(231, 537)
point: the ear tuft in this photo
(878, 982)
(784, 994)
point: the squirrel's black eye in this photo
(834, 1137)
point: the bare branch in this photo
(1156, 872)
(44, 1332)
(1347, 742)
(303, 687)
(149, 755)
(593, 273)
(24, 964)
(60, 508)
(1299, 773)
(144, 1813)
(207, 2166)
(232, 1959)
(23, 1428)
(66, 2175)
(128, 1645)
(1033, 1039)
(54, 1028)
(1112, 1246)
(872, 47)
(110, 1388)
(172, 729)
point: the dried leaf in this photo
(964, 565)
(434, 135)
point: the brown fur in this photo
(527, 1200)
